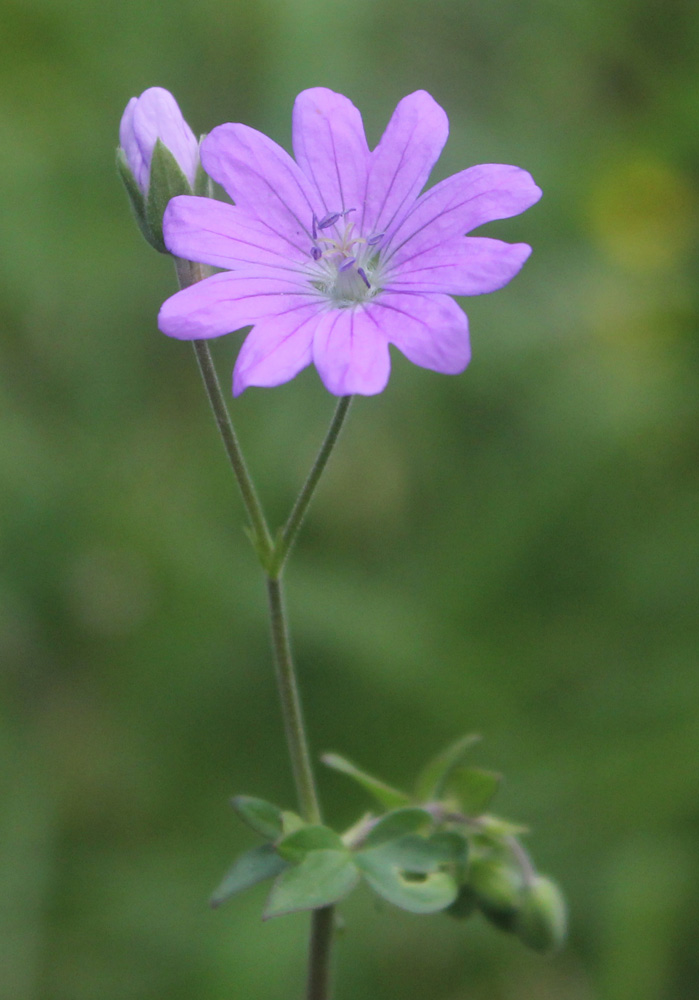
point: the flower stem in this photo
(291, 705)
(189, 273)
(298, 512)
(323, 921)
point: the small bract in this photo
(335, 254)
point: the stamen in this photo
(329, 220)
(373, 240)
(362, 275)
(316, 253)
(314, 226)
(346, 264)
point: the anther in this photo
(316, 253)
(329, 220)
(373, 240)
(362, 275)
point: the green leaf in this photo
(415, 892)
(396, 823)
(254, 866)
(431, 780)
(473, 788)
(390, 798)
(323, 878)
(291, 821)
(296, 845)
(421, 855)
(263, 817)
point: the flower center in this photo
(346, 264)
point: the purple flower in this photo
(152, 116)
(334, 256)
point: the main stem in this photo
(273, 558)
(291, 705)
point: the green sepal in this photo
(397, 823)
(541, 921)
(473, 788)
(166, 181)
(323, 878)
(255, 865)
(203, 185)
(136, 199)
(497, 885)
(390, 798)
(431, 780)
(263, 817)
(413, 888)
(295, 846)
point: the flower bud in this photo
(498, 888)
(541, 921)
(158, 158)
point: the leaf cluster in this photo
(435, 850)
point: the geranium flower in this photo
(335, 255)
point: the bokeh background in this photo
(512, 551)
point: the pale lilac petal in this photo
(430, 330)
(227, 301)
(276, 349)
(468, 265)
(402, 161)
(459, 204)
(213, 232)
(331, 148)
(156, 116)
(127, 140)
(263, 180)
(350, 351)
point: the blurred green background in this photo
(511, 551)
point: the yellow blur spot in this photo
(642, 213)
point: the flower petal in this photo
(468, 265)
(127, 140)
(331, 148)
(225, 302)
(403, 159)
(276, 349)
(350, 352)
(223, 235)
(263, 180)
(156, 116)
(430, 330)
(459, 204)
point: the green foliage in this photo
(262, 817)
(388, 797)
(254, 866)
(321, 878)
(432, 779)
(445, 855)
